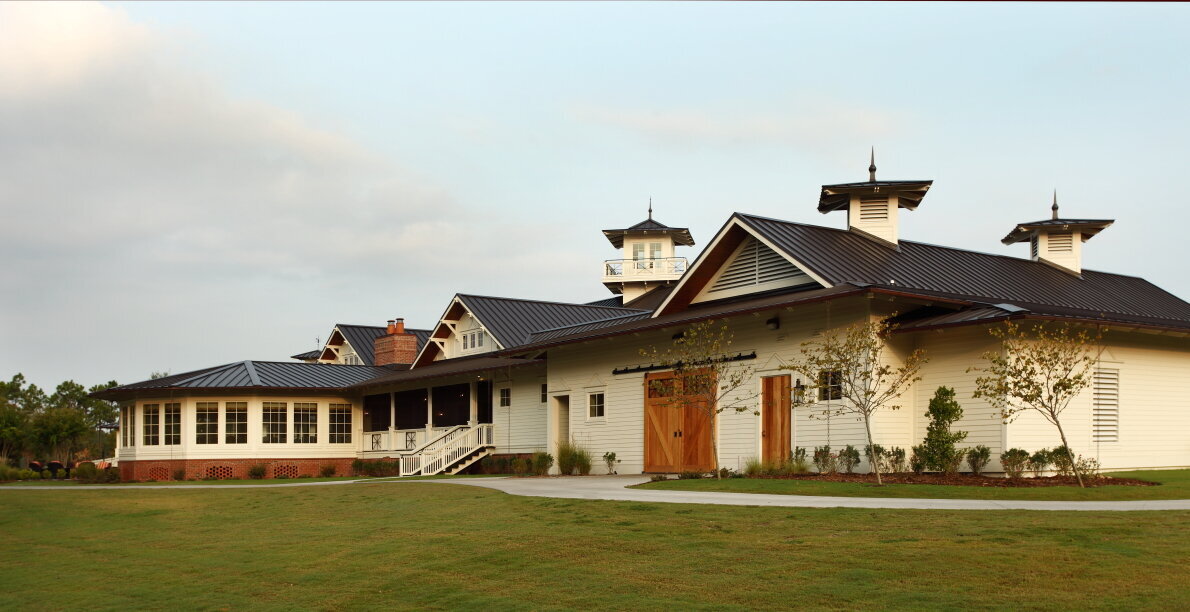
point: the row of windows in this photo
(472, 340)
(165, 426)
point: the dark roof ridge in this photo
(623, 316)
(927, 244)
(509, 299)
(298, 363)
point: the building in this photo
(512, 376)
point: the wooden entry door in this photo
(677, 434)
(774, 423)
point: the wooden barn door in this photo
(774, 424)
(677, 437)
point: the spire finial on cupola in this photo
(1055, 206)
(872, 167)
(650, 208)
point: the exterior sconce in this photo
(773, 323)
(799, 393)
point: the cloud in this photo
(806, 124)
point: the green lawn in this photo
(1175, 484)
(268, 481)
(410, 545)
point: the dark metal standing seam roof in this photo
(513, 321)
(258, 375)
(307, 355)
(840, 256)
(681, 235)
(449, 367)
(362, 338)
(560, 332)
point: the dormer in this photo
(872, 206)
(648, 257)
(1057, 241)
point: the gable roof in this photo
(681, 235)
(362, 338)
(255, 375)
(307, 355)
(512, 321)
(840, 256)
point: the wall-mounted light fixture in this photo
(799, 393)
(773, 323)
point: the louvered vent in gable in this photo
(753, 268)
(1061, 242)
(873, 211)
(1033, 247)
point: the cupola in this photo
(872, 205)
(647, 257)
(1057, 241)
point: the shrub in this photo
(1088, 467)
(567, 457)
(257, 471)
(87, 472)
(1014, 461)
(112, 474)
(978, 458)
(753, 467)
(728, 473)
(358, 466)
(281, 476)
(691, 475)
(825, 461)
(849, 458)
(522, 466)
(917, 459)
(1061, 458)
(877, 450)
(179, 474)
(658, 477)
(542, 462)
(800, 464)
(894, 458)
(582, 461)
(327, 471)
(940, 452)
(609, 459)
(1040, 461)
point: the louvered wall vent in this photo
(873, 211)
(1061, 242)
(1033, 247)
(1106, 416)
(757, 264)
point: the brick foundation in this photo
(224, 469)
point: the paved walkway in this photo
(614, 488)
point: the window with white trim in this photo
(505, 397)
(305, 423)
(235, 427)
(595, 406)
(274, 420)
(830, 385)
(206, 422)
(340, 423)
(128, 426)
(173, 424)
(472, 341)
(151, 422)
(545, 396)
(1105, 421)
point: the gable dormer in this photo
(1057, 241)
(459, 333)
(873, 206)
(752, 268)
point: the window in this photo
(274, 419)
(305, 423)
(128, 429)
(1105, 426)
(545, 396)
(505, 397)
(595, 406)
(472, 339)
(173, 424)
(830, 385)
(235, 428)
(152, 424)
(340, 423)
(206, 423)
(654, 250)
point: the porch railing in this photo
(659, 268)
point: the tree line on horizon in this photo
(66, 425)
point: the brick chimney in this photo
(397, 346)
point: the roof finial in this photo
(650, 208)
(1055, 206)
(872, 167)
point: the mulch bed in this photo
(968, 480)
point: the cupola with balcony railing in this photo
(648, 258)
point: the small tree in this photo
(940, 443)
(1039, 369)
(848, 364)
(711, 381)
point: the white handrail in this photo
(445, 450)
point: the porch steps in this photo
(470, 460)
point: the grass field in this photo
(411, 545)
(1175, 484)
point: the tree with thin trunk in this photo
(708, 379)
(850, 365)
(1040, 369)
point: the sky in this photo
(185, 185)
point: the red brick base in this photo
(223, 469)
